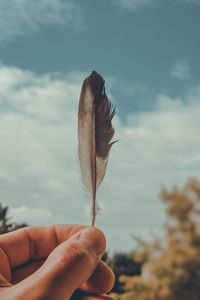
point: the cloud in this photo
(19, 17)
(181, 69)
(135, 5)
(35, 216)
(39, 171)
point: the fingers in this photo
(101, 281)
(22, 272)
(67, 267)
(4, 265)
(74, 261)
(4, 282)
(36, 242)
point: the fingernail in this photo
(95, 238)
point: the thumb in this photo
(71, 264)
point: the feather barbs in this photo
(95, 132)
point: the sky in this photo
(148, 53)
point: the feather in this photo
(95, 133)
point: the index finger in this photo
(31, 243)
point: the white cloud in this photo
(19, 17)
(181, 69)
(39, 171)
(36, 216)
(135, 5)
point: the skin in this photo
(60, 262)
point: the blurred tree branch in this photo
(5, 224)
(171, 269)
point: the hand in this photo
(51, 263)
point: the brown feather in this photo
(95, 132)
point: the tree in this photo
(123, 264)
(5, 225)
(172, 267)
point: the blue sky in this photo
(148, 52)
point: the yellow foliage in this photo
(174, 272)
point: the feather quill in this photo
(95, 132)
